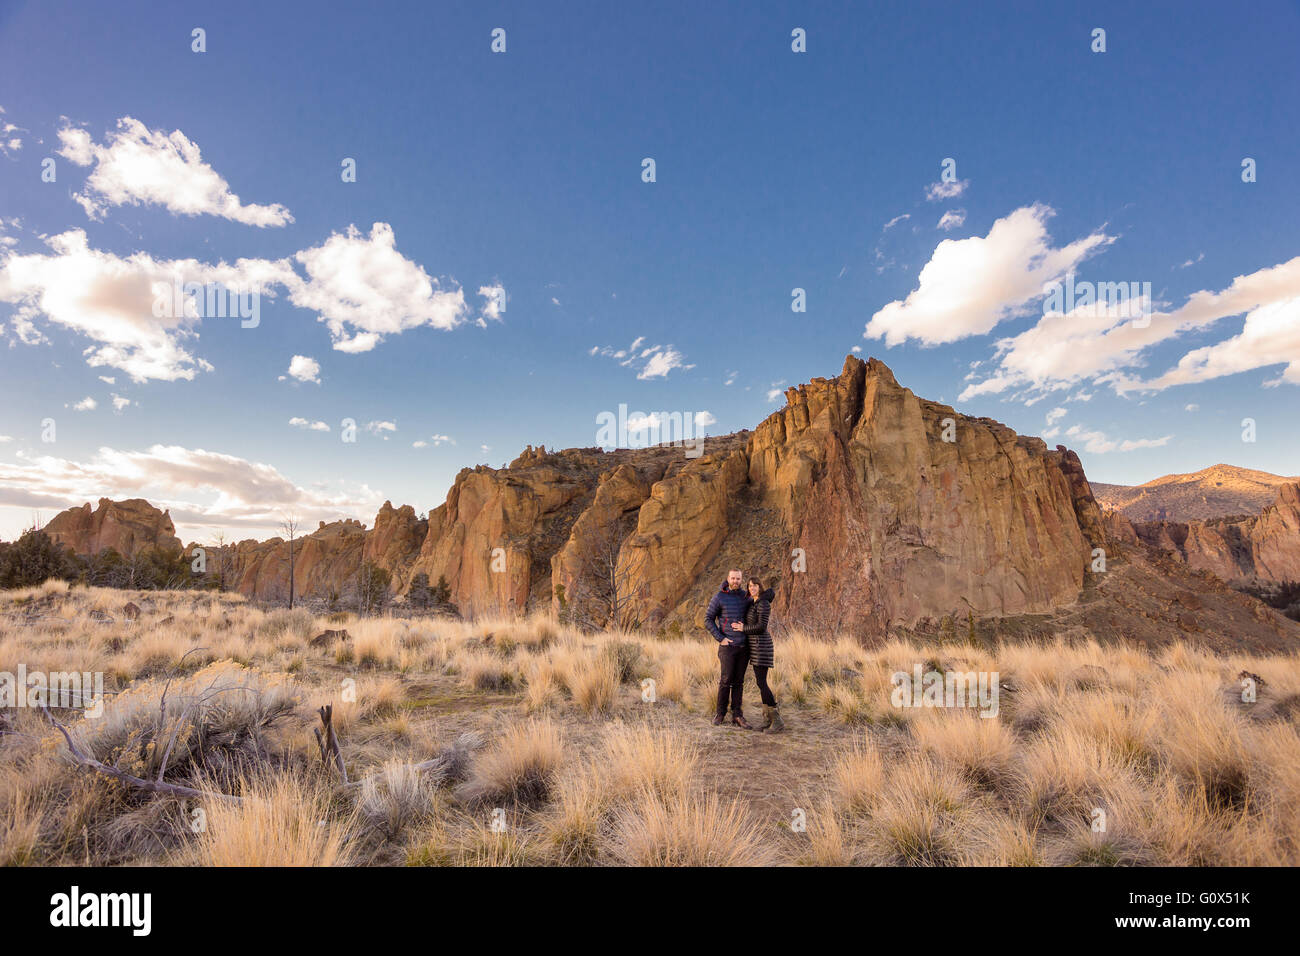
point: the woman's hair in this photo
(755, 581)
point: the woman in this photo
(761, 654)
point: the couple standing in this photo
(737, 619)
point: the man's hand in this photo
(737, 626)
(725, 641)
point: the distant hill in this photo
(1209, 493)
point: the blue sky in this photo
(522, 170)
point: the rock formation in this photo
(1215, 492)
(1256, 549)
(128, 527)
(872, 507)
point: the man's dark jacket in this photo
(729, 606)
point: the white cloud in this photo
(776, 392)
(87, 404)
(704, 419)
(379, 428)
(310, 425)
(304, 369)
(364, 290)
(970, 285)
(137, 165)
(361, 287)
(1096, 443)
(656, 361)
(1103, 345)
(9, 142)
(662, 362)
(202, 489)
(1270, 336)
(108, 379)
(1055, 415)
(434, 440)
(1192, 407)
(120, 402)
(937, 191)
(895, 221)
(111, 300)
(494, 304)
(952, 219)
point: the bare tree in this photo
(218, 547)
(289, 526)
(602, 589)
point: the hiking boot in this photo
(740, 721)
(774, 722)
(717, 720)
(767, 718)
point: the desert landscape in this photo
(601, 437)
(520, 742)
(546, 702)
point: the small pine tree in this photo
(34, 558)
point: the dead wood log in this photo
(329, 742)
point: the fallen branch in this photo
(149, 786)
(329, 742)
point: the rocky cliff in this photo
(871, 506)
(1254, 549)
(1215, 492)
(128, 527)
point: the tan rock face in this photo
(489, 538)
(327, 563)
(127, 526)
(592, 548)
(904, 509)
(1263, 548)
(395, 541)
(872, 505)
(678, 531)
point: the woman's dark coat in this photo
(760, 641)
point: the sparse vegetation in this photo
(525, 742)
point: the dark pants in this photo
(760, 676)
(734, 660)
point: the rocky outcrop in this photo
(678, 531)
(326, 563)
(592, 548)
(1258, 549)
(127, 527)
(492, 540)
(872, 506)
(1219, 491)
(395, 542)
(904, 509)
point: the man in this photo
(729, 605)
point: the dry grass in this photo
(1098, 756)
(520, 768)
(688, 831)
(281, 821)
